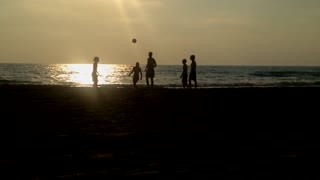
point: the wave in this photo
(245, 84)
(285, 74)
(17, 82)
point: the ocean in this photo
(168, 76)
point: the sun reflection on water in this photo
(80, 74)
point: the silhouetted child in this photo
(151, 64)
(95, 72)
(193, 74)
(136, 70)
(184, 74)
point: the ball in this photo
(134, 40)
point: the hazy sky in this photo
(218, 32)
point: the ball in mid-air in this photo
(134, 40)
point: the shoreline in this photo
(143, 86)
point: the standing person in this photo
(184, 74)
(151, 64)
(95, 72)
(136, 70)
(193, 74)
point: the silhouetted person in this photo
(151, 64)
(136, 70)
(95, 72)
(193, 74)
(184, 74)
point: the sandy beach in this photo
(52, 132)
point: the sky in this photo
(217, 32)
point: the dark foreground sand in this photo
(53, 132)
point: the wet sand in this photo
(63, 132)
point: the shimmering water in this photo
(165, 75)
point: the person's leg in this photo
(135, 82)
(190, 83)
(195, 83)
(185, 82)
(95, 81)
(147, 80)
(152, 82)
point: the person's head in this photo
(96, 59)
(184, 61)
(137, 64)
(150, 54)
(192, 57)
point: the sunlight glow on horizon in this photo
(81, 73)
